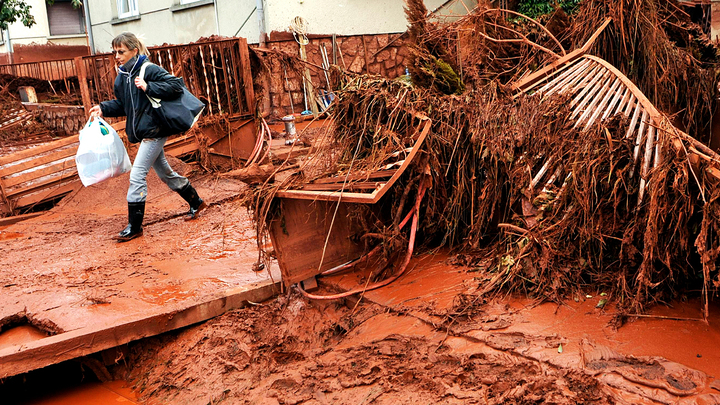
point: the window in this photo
(127, 8)
(65, 19)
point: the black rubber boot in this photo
(189, 194)
(136, 213)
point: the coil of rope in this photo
(298, 26)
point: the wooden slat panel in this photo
(597, 110)
(247, 75)
(621, 92)
(49, 194)
(341, 179)
(60, 154)
(640, 135)
(591, 86)
(572, 80)
(40, 185)
(36, 174)
(14, 157)
(304, 224)
(588, 97)
(634, 121)
(375, 196)
(623, 103)
(529, 82)
(567, 72)
(365, 185)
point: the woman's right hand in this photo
(96, 112)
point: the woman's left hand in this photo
(141, 84)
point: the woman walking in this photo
(131, 100)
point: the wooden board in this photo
(377, 193)
(299, 232)
(16, 360)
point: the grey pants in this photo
(151, 154)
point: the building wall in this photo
(715, 20)
(342, 17)
(164, 21)
(159, 22)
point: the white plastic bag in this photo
(101, 154)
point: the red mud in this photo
(115, 392)
(20, 334)
(64, 269)
(291, 351)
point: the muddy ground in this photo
(292, 351)
(419, 340)
(63, 271)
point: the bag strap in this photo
(155, 102)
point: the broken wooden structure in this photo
(598, 91)
(314, 231)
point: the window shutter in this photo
(64, 19)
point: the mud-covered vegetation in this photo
(598, 220)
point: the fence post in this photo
(82, 79)
(247, 75)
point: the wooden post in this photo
(247, 75)
(365, 54)
(309, 88)
(6, 200)
(82, 79)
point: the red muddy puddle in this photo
(20, 335)
(694, 343)
(431, 284)
(95, 393)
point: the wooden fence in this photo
(217, 72)
(47, 70)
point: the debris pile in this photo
(511, 175)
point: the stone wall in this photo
(383, 54)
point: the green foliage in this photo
(535, 8)
(15, 10)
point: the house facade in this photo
(183, 21)
(59, 32)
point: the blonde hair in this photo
(131, 42)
